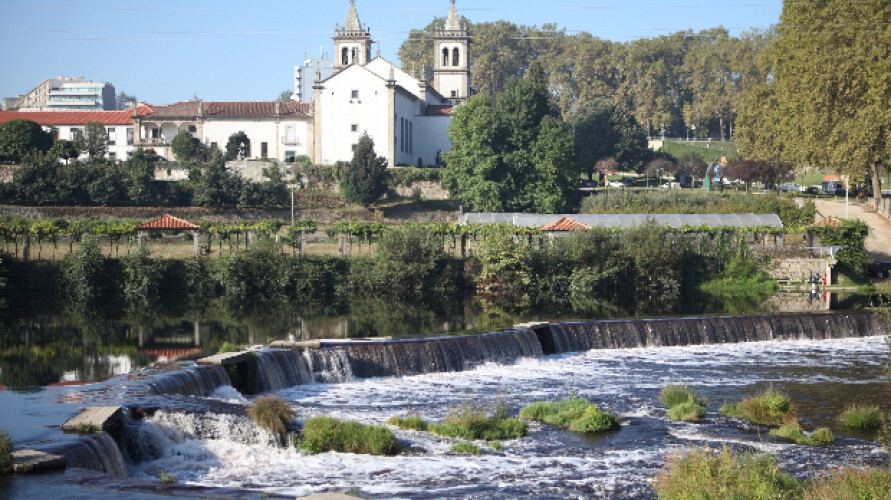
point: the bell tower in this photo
(451, 68)
(352, 42)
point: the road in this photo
(878, 243)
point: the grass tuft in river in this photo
(578, 414)
(794, 432)
(866, 418)
(466, 448)
(408, 422)
(322, 434)
(5, 453)
(683, 403)
(770, 407)
(272, 414)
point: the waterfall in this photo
(329, 366)
(279, 369)
(442, 354)
(96, 452)
(618, 334)
(188, 381)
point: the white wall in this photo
(434, 136)
(340, 110)
(259, 131)
(120, 149)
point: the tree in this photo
(606, 130)
(214, 185)
(826, 101)
(186, 147)
(64, 150)
(512, 153)
(691, 165)
(272, 193)
(125, 101)
(139, 171)
(94, 140)
(285, 95)
(20, 137)
(238, 146)
(365, 179)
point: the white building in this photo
(407, 119)
(119, 126)
(306, 75)
(68, 94)
(277, 130)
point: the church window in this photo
(264, 149)
(355, 54)
(354, 94)
(345, 57)
(454, 93)
(402, 134)
(411, 139)
(456, 56)
(445, 57)
(354, 128)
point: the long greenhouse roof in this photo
(626, 220)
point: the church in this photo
(407, 118)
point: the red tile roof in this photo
(440, 110)
(168, 223)
(565, 224)
(247, 109)
(49, 118)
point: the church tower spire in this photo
(451, 68)
(352, 42)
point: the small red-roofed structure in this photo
(565, 224)
(169, 223)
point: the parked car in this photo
(615, 184)
(811, 190)
(833, 187)
(790, 187)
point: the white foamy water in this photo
(548, 462)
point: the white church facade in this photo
(408, 119)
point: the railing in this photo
(158, 141)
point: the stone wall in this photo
(797, 269)
(429, 190)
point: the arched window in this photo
(355, 54)
(345, 56)
(445, 57)
(455, 57)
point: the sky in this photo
(165, 51)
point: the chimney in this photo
(201, 109)
(278, 108)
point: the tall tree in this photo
(238, 146)
(827, 99)
(285, 95)
(365, 179)
(214, 185)
(20, 137)
(139, 171)
(186, 147)
(512, 153)
(603, 130)
(710, 75)
(93, 140)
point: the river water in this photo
(822, 377)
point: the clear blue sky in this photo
(163, 51)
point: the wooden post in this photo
(195, 242)
(300, 244)
(26, 247)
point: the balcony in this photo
(156, 141)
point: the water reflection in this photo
(62, 349)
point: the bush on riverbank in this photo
(770, 407)
(577, 414)
(5, 453)
(272, 414)
(466, 448)
(862, 417)
(850, 483)
(708, 474)
(322, 434)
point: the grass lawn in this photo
(707, 150)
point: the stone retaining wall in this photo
(797, 270)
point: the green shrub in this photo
(794, 432)
(272, 414)
(5, 453)
(867, 418)
(466, 448)
(495, 445)
(848, 482)
(673, 395)
(166, 478)
(688, 411)
(706, 474)
(328, 434)
(228, 346)
(471, 424)
(770, 407)
(595, 420)
(408, 422)
(578, 414)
